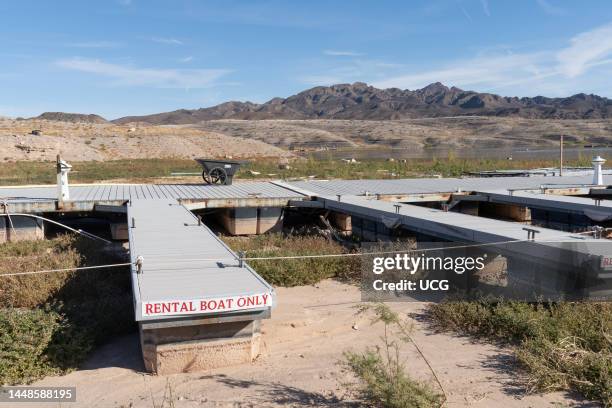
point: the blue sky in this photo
(131, 57)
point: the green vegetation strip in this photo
(295, 272)
(383, 169)
(142, 170)
(562, 346)
(30, 172)
(49, 323)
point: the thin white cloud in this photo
(125, 2)
(585, 61)
(168, 41)
(485, 7)
(586, 49)
(485, 70)
(342, 53)
(551, 9)
(466, 14)
(124, 75)
(94, 44)
(186, 59)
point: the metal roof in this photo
(436, 185)
(467, 228)
(183, 260)
(245, 190)
(116, 192)
(594, 208)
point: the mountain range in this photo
(359, 101)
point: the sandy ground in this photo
(303, 343)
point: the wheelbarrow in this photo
(218, 171)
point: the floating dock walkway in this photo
(181, 270)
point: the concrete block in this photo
(3, 237)
(513, 212)
(202, 355)
(119, 231)
(24, 229)
(341, 221)
(240, 221)
(269, 219)
(191, 348)
(521, 214)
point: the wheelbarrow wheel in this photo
(217, 176)
(206, 177)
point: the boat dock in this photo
(199, 306)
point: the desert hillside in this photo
(451, 132)
(274, 138)
(105, 141)
(340, 116)
(72, 117)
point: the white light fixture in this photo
(597, 173)
(63, 168)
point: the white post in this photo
(597, 173)
(63, 169)
(561, 156)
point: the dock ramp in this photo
(197, 305)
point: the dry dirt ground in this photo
(298, 367)
(84, 141)
(452, 132)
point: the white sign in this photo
(204, 306)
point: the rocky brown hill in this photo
(107, 141)
(72, 117)
(361, 101)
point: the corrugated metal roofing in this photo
(436, 185)
(116, 192)
(183, 260)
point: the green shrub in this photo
(383, 380)
(24, 338)
(35, 343)
(386, 384)
(562, 346)
(24, 256)
(566, 364)
(49, 323)
(295, 272)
